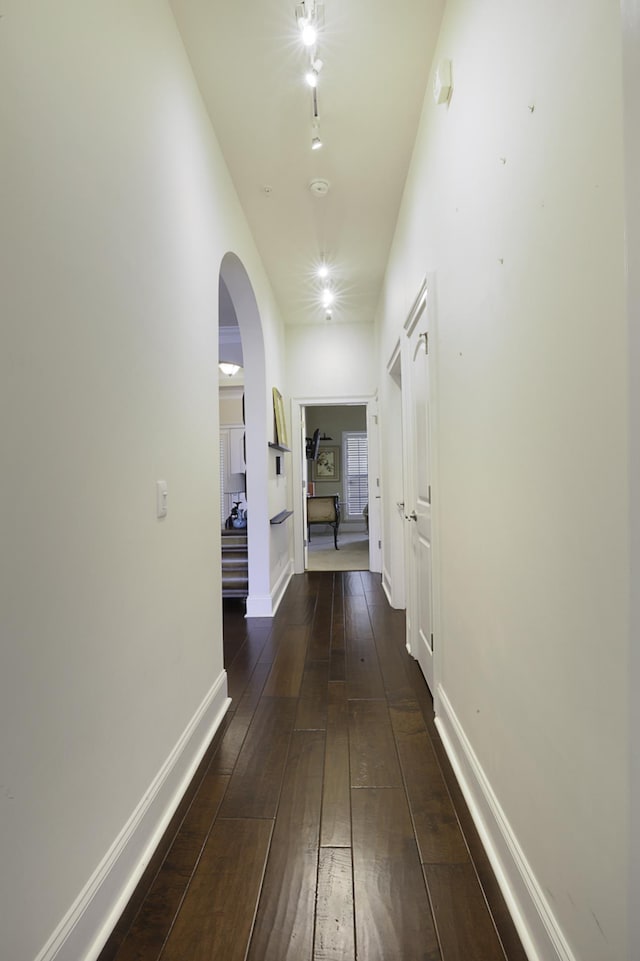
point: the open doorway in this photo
(240, 324)
(337, 485)
(233, 466)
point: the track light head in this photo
(328, 297)
(313, 73)
(309, 35)
(309, 17)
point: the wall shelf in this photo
(286, 450)
(281, 517)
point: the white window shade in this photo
(356, 472)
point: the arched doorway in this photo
(236, 284)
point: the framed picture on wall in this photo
(327, 465)
(278, 413)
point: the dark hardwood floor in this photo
(324, 822)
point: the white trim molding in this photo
(417, 309)
(630, 10)
(283, 582)
(266, 605)
(259, 605)
(84, 930)
(298, 405)
(386, 585)
(535, 922)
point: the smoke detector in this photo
(319, 187)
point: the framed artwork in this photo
(327, 465)
(278, 413)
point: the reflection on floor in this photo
(352, 556)
(325, 822)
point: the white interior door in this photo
(418, 519)
(306, 470)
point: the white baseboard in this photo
(386, 585)
(535, 922)
(266, 605)
(281, 586)
(395, 596)
(84, 930)
(259, 605)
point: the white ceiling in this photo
(250, 64)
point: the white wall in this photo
(331, 361)
(631, 38)
(515, 202)
(115, 210)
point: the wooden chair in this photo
(324, 510)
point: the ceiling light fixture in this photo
(309, 17)
(328, 297)
(229, 370)
(309, 35)
(323, 271)
(312, 75)
(318, 186)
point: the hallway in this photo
(325, 810)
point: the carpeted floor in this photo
(352, 556)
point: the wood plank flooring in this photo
(325, 823)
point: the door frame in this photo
(425, 303)
(298, 405)
(393, 542)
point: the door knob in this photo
(412, 516)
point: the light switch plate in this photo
(162, 494)
(442, 82)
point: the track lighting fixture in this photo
(310, 18)
(310, 21)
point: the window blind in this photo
(356, 460)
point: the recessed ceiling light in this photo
(323, 271)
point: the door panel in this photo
(418, 496)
